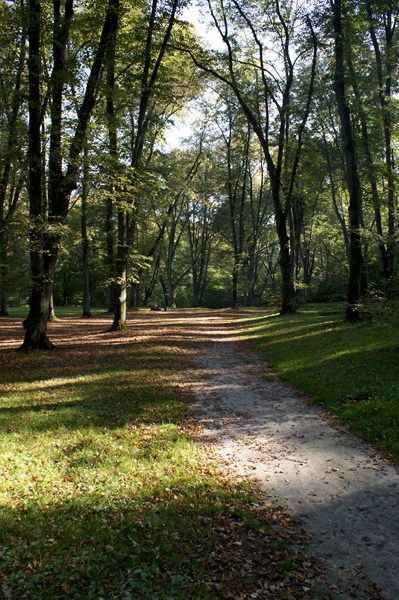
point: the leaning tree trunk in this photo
(352, 174)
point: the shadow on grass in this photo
(185, 542)
(80, 549)
(103, 496)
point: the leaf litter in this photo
(261, 547)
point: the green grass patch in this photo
(103, 492)
(60, 311)
(352, 370)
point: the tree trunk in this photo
(85, 241)
(3, 271)
(51, 310)
(109, 232)
(288, 304)
(120, 307)
(35, 324)
(42, 264)
(352, 175)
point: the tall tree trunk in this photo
(288, 304)
(352, 174)
(85, 240)
(52, 316)
(3, 270)
(42, 264)
(109, 232)
(385, 98)
(120, 307)
(120, 274)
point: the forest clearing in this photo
(170, 460)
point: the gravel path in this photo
(346, 495)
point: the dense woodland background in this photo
(285, 192)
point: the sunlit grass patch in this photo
(104, 493)
(350, 369)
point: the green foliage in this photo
(349, 369)
(146, 193)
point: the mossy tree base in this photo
(118, 326)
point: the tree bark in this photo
(109, 232)
(3, 270)
(42, 264)
(120, 299)
(85, 240)
(352, 174)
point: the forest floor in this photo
(343, 493)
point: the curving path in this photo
(346, 494)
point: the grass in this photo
(104, 492)
(60, 311)
(352, 370)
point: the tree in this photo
(200, 230)
(12, 171)
(352, 173)
(85, 239)
(385, 71)
(143, 113)
(266, 96)
(49, 202)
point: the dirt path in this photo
(346, 495)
